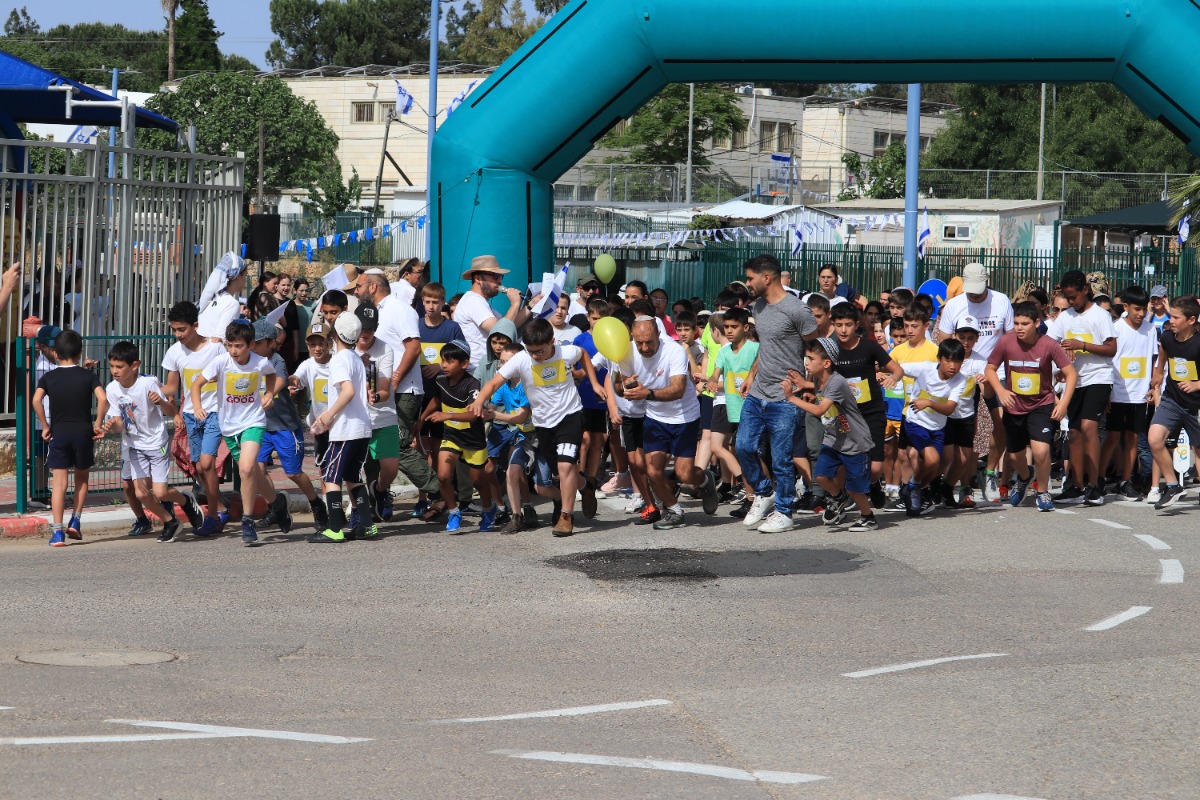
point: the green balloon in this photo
(605, 267)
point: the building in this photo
(973, 224)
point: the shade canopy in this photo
(1151, 218)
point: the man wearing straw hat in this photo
(474, 314)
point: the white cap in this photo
(967, 323)
(348, 328)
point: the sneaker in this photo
(1004, 492)
(327, 536)
(39, 503)
(743, 508)
(58, 539)
(249, 535)
(877, 496)
(565, 526)
(927, 506)
(587, 499)
(320, 514)
(991, 491)
(487, 520)
(223, 517)
(724, 492)
(649, 516)
(140, 527)
(708, 495)
(385, 505)
(912, 496)
(1092, 496)
(1171, 495)
(739, 496)
(74, 529)
(670, 520)
(965, 498)
(805, 502)
(420, 508)
(170, 529)
(759, 510)
(1127, 493)
(531, 516)
(210, 526)
(1153, 495)
(777, 523)
(366, 532)
(618, 484)
(948, 500)
(454, 522)
(834, 513)
(473, 508)
(1045, 502)
(864, 525)
(894, 506)
(1070, 494)
(352, 519)
(195, 518)
(1017, 495)
(515, 525)
(636, 505)
(283, 517)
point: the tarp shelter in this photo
(28, 94)
(1153, 219)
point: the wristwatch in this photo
(650, 395)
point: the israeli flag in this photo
(459, 98)
(82, 135)
(404, 100)
(1185, 226)
(552, 288)
(923, 236)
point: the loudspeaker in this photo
(263, 241)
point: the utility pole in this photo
(912, 168)
(430, 189)
(1041, 175)
(262, 148)
(687, 194)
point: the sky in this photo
(246, 24)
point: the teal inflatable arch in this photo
(597, 61)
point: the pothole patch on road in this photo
(675, 564)
(96, 658)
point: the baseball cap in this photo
(47, 334)
(317, 329)
(368, 316)
(348, 328)
(975, 278)
(967, 323)
(1158, 291)
(589, 282)
(265, 329)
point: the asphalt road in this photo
(762, 653)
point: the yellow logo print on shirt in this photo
(1027, 383)
(1183, 370)
(550, 373)
(189, 377)
(321, 390)
(1133, 367)
(861, 390)
(241, 384)
(734, 381)
(431, 353)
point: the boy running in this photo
(1178, 357)
(1128, 415)
(959, 452)
(510, 417)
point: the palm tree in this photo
(170, 7)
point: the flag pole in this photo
(434, 32)
(911, 184)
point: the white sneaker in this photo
(635, 505)
(1153, 496)
(991, 491)
(777, 523)
(759, 510)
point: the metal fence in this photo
(110, 237)
(33, 479)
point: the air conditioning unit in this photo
(747, 89)
(763, 92)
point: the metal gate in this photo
(110, 238)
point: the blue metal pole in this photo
(912, 177)
(430, 189)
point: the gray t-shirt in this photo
(781, 327)
(282, 415)
(845, 428)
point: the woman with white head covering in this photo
(218, 303)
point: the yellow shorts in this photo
(892, 430)
(473, 458)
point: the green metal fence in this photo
(33, 479)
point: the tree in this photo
(196, 47)
(318, 33)
(226, 107)
(494, 32)
(880, 178)
(331, 197)
(170, 8)
(19, 23)
(658, 132)
(87, 51)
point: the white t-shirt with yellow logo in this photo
(238, 398)
(972, 369)
(315, 378)
(189, 364)
(1134, 361)
(1094, 326)
(548, 384)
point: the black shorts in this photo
(320, 448)
(632, 433)
(992, 402)
(595, 420)
(560, 444)
(720, 420)
(1128, 418)
(877, 425)
(344, 461)
(70, 452)
(1089, 403)
(706, 412)
(1036, 426)
(961, 432)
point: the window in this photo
(766, 137)
(925, 141)
(956, 233)
(785, 138)
(722, 143)
(362, 112)
(885, 138)
(739, 140)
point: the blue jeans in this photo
(778, 421)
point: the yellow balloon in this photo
(605, 267)
(611, 338)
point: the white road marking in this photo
(1154, 542)
(130, 737)
(993, 797)
(1114, 621)
(711, 770)
(1108, 524)
(1172, 570)
(567, 712)
(1064, 511)
(253, 732)
(866, 673)
(7, 708)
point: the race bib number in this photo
(861, 390)
(1183, 370)
(321, 390)
(1132, 368)
(924, 395)
(454, 423)
(894, 393)
(431, 353)
(969, 389)
(1027, 383)
(189, 377)
(241, 387)
(734, 381)
(549, 373)
(1082, 336)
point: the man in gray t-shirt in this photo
(783, 322)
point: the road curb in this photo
(21, 527)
